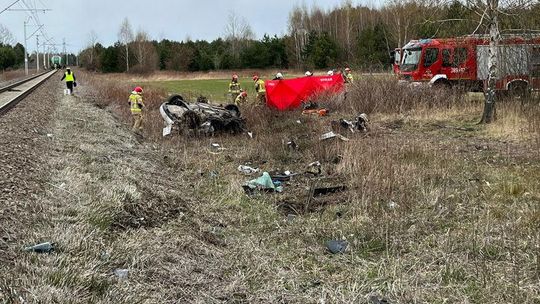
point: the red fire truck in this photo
(464, 62)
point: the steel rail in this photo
(14, 101)
(22, 81)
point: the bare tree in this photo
(91, 54)
(237, 32)
(145, 52)
(488, 11)
(125, 35)
(494, 37)
(6, 38)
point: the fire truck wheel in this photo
(442, 85)
(518, 89)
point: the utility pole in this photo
(25, 51)
(27, 9)
(37, 53)
(44, 56)
(65, 53)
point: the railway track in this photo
(12, 94)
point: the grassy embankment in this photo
(438, 209)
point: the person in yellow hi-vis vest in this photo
(260, 89)
(69, 77)
(136, 103)
(234, 88)
(348, 76)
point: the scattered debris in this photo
(263, 183)
(319, 112)
(358, 124)
(337, 246)
(216, 148)
(392, 205)
(312, 108)
(291, 217)
(121, 273)
(314, 168)
(328, 190)
(292, 145)
(104, 256)
(247, 169)
(283, 176)
(46, 247)
(331, 134)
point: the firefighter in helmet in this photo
(260, 89)
(348, 76)
(241, 98)
(136, 104)
(278, 76)
(234, 87)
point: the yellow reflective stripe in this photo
(262, 89)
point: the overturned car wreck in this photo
(200, 117)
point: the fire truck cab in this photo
(464, 62)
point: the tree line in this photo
(11, 56)
(358, 36)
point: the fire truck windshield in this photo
(411, 57)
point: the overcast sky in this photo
(172, 19)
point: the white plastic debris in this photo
(247, 169)
(121, 273)
(315, 164)
(167, 130)
(331, 134)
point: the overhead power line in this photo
(12, 4)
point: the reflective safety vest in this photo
(136, 102)
(69, 77)
(350, 78)
(234, 87)
(259, 86)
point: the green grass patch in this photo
(215, 90)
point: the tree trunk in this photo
(127, 57)
(490, 111)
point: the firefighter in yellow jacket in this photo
(136, 104)
(348, 76)
(260, 89)
(234, 87)
(241, 98)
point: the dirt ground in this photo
(435, 210)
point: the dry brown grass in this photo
(437, 208)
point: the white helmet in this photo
(279, 75)
(330, 73)
(308, 73)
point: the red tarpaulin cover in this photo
(289, 94)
